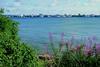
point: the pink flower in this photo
(90, 41)
(94, 38)
(79, 47)
(87, 51)
(98, 48)
(62, 41)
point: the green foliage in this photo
(17, 55)
(75, 58)
(69, 59)
(13, 53)
(9, 27)
(1, 10)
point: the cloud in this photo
(55, 6)
(55, 3)
(96, 1)
(16, 3)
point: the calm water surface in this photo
(35, 30)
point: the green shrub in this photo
(14, 53)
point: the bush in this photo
(14, 53)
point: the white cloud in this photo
(55, 3)
(17, 4)
(54, 6)
(95, 1)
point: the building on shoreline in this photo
(55, 16)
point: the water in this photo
(35, 30)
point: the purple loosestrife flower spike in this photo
(94, 38)
(79, 47)
(90, 41)
(62, 37)
(62, 41)
(72, 39)
(98, 49)
(87, 51)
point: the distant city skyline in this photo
(50, 7)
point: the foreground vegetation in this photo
(79, 56)
(14, 53)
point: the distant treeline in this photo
(41, 15)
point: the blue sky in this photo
(51, 6)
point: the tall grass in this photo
(82, 55)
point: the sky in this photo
(50, 6)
